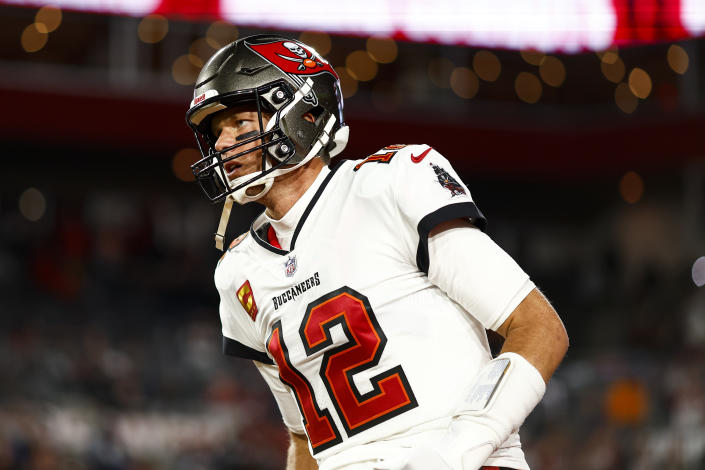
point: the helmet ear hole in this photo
(316, 113)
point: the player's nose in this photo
(225, 139)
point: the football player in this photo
(363, 291)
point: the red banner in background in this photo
(190, 9)
(645, 21)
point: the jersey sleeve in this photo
(475, 272)
(284, 398)
(428, 191)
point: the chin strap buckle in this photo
(224, 217)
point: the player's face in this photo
(231, 126)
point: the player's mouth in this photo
(233, 170)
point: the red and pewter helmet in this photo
(283, 78)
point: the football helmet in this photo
(283, 79)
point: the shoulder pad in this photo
(383, 155)
(233, 244)
(237, 241)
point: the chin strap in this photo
(224, 217)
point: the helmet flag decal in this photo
(294, 59)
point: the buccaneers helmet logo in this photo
(294, 59)
(304, 59)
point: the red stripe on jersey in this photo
(272, 238)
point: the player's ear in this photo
(308, 117)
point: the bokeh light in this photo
(361, 66)
(464, 82)
(439, 70)
(486, 65)
(613, 71)
(698, 271)
(32, 204)
(625, 99)
(182, 161)
(627, 402)
(640, 83)
(678, 59)
(609, 56)
(319, 40)
(532, 56)
(32, 39)
(221, 33)
(48, 18)
(382, 50)
(348, 83)
(185, 69)
(152, 29)
(202, 49)
(528, 87)
(631, 187)
(552, 71)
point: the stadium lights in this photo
(382, 50)
(464, 82)
(32, 204)
(185, 69)
(532, 56)
(612, 67)
(48, 18)
(698, 271)
(361, 66)
(152, 29)
(320, 41)
(486, 65)
(640, 83)
(202, 49)
(631, 187)
(221, 33)
(625, 99)
(569, 26)
(35, 36)
(528, 87)
(32, 39)
(677, 59)
(552, 71)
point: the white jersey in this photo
(355, 342)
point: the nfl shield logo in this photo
(290, 266)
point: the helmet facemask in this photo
(275, 147)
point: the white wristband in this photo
(506, 390)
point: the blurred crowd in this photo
(110, 342)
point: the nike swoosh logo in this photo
(420, 157)
(251, 70)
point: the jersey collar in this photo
(260, 227)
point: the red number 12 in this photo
(391, 393)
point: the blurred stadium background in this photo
(579, 127)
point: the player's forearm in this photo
(298, 457)
(508, 388)
(535, 332)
